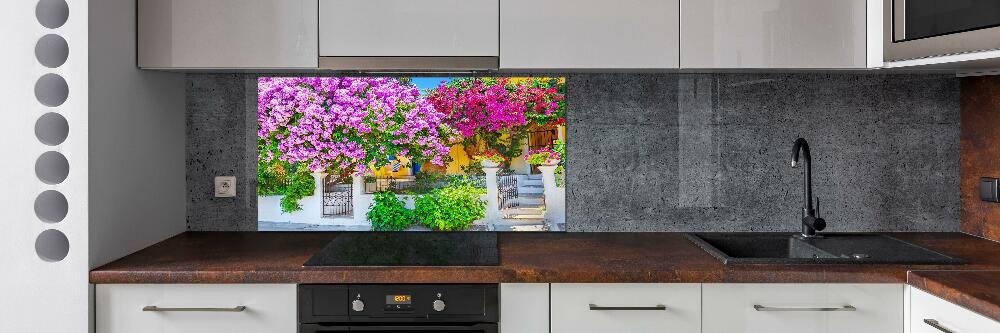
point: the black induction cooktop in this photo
(415, 248)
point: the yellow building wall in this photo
(458, 159)
(386, 171)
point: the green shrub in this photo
(425, 182)
(453, 207)
(302, 185)
(458, 180)
(388, 213)
(559, 146)
(274, 178)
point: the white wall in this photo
(137, 186)
(39, 295)
(126, 129)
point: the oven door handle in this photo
(486, 328)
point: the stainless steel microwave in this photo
(929, 28)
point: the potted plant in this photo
(542, 156)
(489, 159)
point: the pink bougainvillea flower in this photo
(346, 124)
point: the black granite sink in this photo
(836, 248)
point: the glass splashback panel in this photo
(411, 153)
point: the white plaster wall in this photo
(269, 209)
(137, 185)
(37, 295)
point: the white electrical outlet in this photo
(225, 186)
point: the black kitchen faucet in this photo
(811, 223)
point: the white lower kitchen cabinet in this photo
(625, 307)
(524, 308)
(196, 308)
(803, 308)
(930, 314)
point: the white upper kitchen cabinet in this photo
(409, 28)
(227, 34)
(589, 34)
(779, 34)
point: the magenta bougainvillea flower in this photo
(344, 125)
(475, 105)
(542, 155)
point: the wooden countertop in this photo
(277, 257)
(978, 291)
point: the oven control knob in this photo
(438, 305)
(358, 305)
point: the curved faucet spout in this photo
(810, 222)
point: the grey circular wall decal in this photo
(51, 90)
(52, 13)
(52, 245)
(51, 206)
(52, 129)
(51, 51)
(52, 167)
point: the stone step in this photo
(508, 225)
(530, 199)
(533, 210)
(530, 189)
(525, 218)
(535, 215)
(530, 182)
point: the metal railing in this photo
(389, 183)
(506, 189)
(338, 196)
(416, 185)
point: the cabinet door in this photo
(227, 34)
(929, 314)
(803, 308)
(773, 34)
(626, 307)
(581, 34)
(414, 28)
(524, 308)
(269, 308)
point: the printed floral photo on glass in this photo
(411, 153)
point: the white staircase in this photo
(531, 202)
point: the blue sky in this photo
(427, 82)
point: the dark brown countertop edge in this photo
(277, 257)
(978, 291)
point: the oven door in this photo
(474, 328)
(916, 29)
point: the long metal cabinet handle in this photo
(759, 307)
(935, 324)
(154, 308)
(658, 307)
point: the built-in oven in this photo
(412, 308)
(916, 29)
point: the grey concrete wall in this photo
(684, 152)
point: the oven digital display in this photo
(398, 299)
